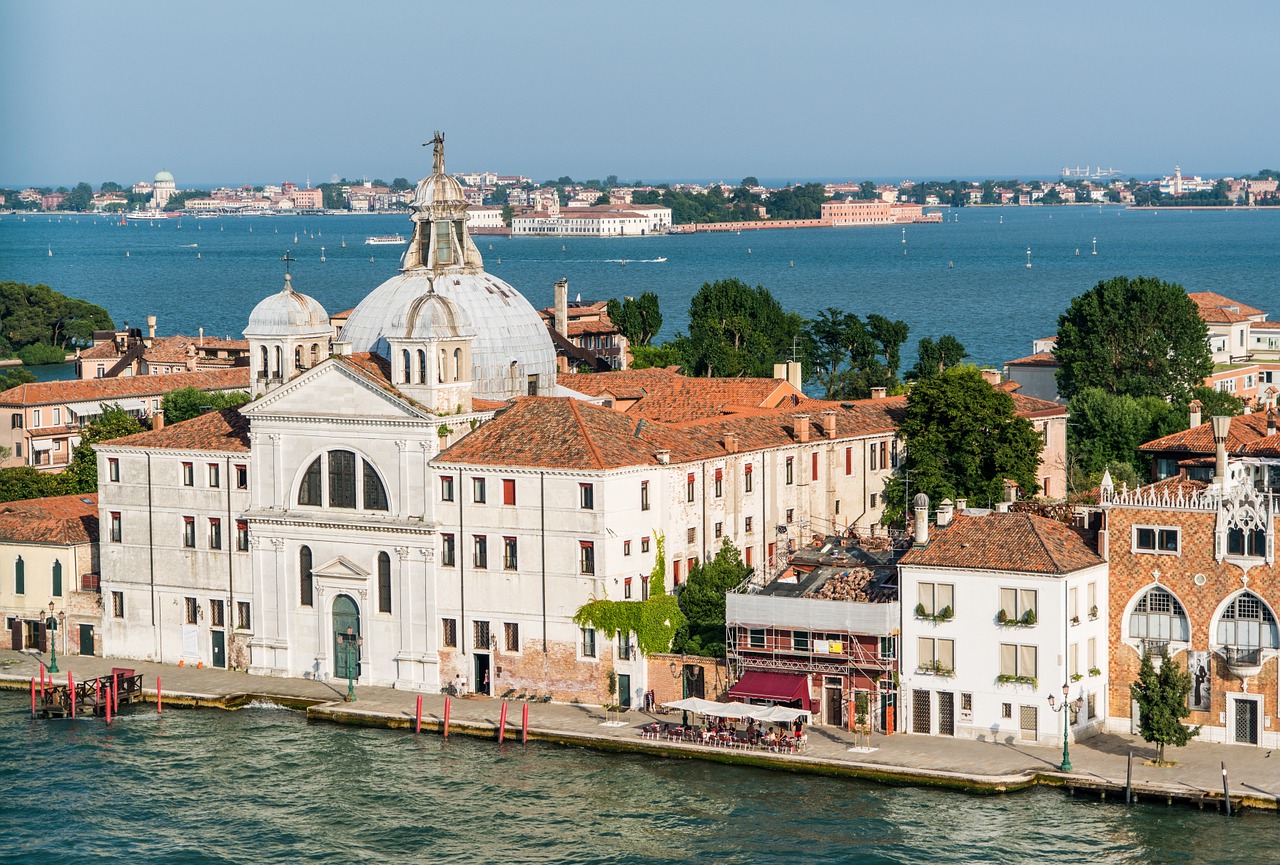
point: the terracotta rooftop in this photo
(57, 520)
(1040, 358)
(62, 392)
(215, 431)
(1005, 542)
(1221, 310)
(668, 396)
(1247, 436)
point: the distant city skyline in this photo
(241, 92)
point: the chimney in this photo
(1194, 409)
(201, 342)
(562, 307)
(800, 426)
(962, 504)
(1002, 507)
(730, 443)
(157, 419)
(664, 457)
(829, 423)
(1221, 427)
(794, 378)
(1010, 491)
(921, 506)
(991, 376)
(151, 327)
(780, 371)
(1271, 421)
(945, 512)
(879, 392)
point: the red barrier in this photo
(71, 694)
(33, 696)
(502, 722)
(108, 708)
(159, 697)
(446, 717)
(524, 726)
(417, 719)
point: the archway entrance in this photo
(346, 652)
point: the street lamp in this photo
(350, 644)
(1069, 710)
(678, 673)
(51, 628)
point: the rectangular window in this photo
(480, 551)
(510, 556)
(1155, 539)
(587, 556)
(936, 655)
(875, 463)
(477, 490)
(748, 524)
(848, 461)
(214, 478)
(966, 702)
(719, 530)
(813, 466)
(747, 485)
(1017, 661)
(1073, 659)
(755, 638)
(791, 515)
(480, 636)
(217, 613)
(800, 641)
(532, 383)
(688, 487)
(644, 588)
(791, 470)
(113, 470)
(1092, 595)
(588, 642)
(35, 419)
(644, 495)
(188, 475)
(511, 635)
(342, 479)
(117, 605)
(242, 477)
(719, 483)
(243, 621)
(748, 556)
(626, 550)
(115, 527)
(936, 597)
(1073, 605)
(644, 545)
(1019, 604)
(888, 648)
(675, 572)
(1006, 710)
(449, 633)
(884, 455)
(448, 551)
(446, 488)
(874, 499)
(1091, 654)
(189, 532)
(191, 609)
(508, 491)
(215, 533)
(242, 536)
(57, 416)
(586, 496)
(626, 589)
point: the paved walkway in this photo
(1098, 762)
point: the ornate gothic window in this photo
(1246, 518)
(375, 494)
(1159, 617)
(1247, 623)
(342, 479)
(309, 490)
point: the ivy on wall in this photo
(654, 621)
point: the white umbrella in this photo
(780, 714)
(694, 704)
(734, 710)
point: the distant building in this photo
(129, 353)
(585, 326)
(604, 220)
(163, 189)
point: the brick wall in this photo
(558, 671)
(666, 688)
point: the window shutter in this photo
(946, 597)
(1027, 661)
(1008, 659)
(926, 651)
(946, 654)
(1009, 602)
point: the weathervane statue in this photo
(437, 144)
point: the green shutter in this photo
(57, 578)
(19, 578)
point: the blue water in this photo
(987, 297)
(264, 786)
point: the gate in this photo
(1246, 722)
(86, 639)
(346, 652)
(946, 713)
(1029, 722)
(921, 712)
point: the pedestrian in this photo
(457, 684)
(484, 688)
(462, 686)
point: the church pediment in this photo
(341, 568)
(334, 389)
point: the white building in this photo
(606, 220)
(1000, 610)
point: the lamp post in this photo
(1069, 710)
(350, 642)
(678, 673)
(51, 627)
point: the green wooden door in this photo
(346, 651)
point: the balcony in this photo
(1243, 662)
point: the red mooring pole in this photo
(115, 693)
(446, 717)
(71, 694)
(159, 697)
(417, 718)
(108, 695)
(524, 725)
(33, 696)
(502, 722)
(97, 695)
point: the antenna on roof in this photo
(795, 348)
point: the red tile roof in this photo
(1247, 436)
(1040, 358)
(215, 431)
(668, 396)
(62, 392)
(1219, 309)
(62, 520)
(1005, 542)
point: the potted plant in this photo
(921, 612)
(1094, 671)
(1075, 677)
(1002, 617)
(1029, 618)
(1093, 611)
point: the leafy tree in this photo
(1051, 197)
(602, 198)
(611, 181)
(111, 186)
(189, 402)
(334, 199)
(500, 195)
(867, 191)
(963, 439)
(24, 482)
(400, 184)
(737, 330)
(1140, 337)
(891, 335)
(1162, 704)
(14, 377)
(750, 180)
(842, 355)
(646, 356)
(82, 473)
(702, 600)
(40, 354)
(934, 357)
(508, 214)
(79, 199)
(638, 320)
(798, 202)
(36, 314)
(1108, 428)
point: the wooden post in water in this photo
(1128, 781)
(159, 697)
(446, 717)
(71, 694)
(502, 722)
(1226, 793)
(97, 696)
(524, 726)
(33, 696)
(417, 718)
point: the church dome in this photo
(288, 313)
(435, 317)
(438, 189)
(164, 177)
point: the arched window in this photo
(265, 356)
(279, 362)
(297, 358)
(1247, 624)
(306, 581)
(422, 366)
(57, 578)
(19, 577)
(1247, 542)
(342, 479)
(408, 367)
(457, 364)
(444, 361)
(1159, 618)
(384, 583)
(375, 494)
(315, 353)
(309, 491)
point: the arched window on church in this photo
(408, 367)
(297, 358)
(279, 362)
(1246, 627)
(315, 353)
(457, 364)
(1158, 618)
(444, 361)
(309, 491)
(265, 367)
(384, 583)
(306, 582)
(422, 365)
(375, 494)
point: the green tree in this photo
(750, 180)
(500, 195)
(79, 199)
(1162, 704)
(189, 402)
(647, 356)
(13, 377)
(24, 482)
(934, 357)
(702, 600)
(963, 438)
(110, 186)
(737, 330)
(1108, 428)
(891, 335)
(38, 315)
(1140, 337)
(508, 214)
(82, 473)
(638, 320)
(400, 184)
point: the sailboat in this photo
(51, 250)
(344, 243)
(322, 255)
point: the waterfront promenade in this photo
(1099, 763)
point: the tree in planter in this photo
(1162, 704)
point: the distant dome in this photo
(288, 313)
(164, 177)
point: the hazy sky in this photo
(224, 91)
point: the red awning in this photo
(782, 687)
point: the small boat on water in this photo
(383, 239)
(150, 214)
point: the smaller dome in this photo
(164, 177)
(288, 313)
(920, 501)
(438, 189)
(432, 316)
